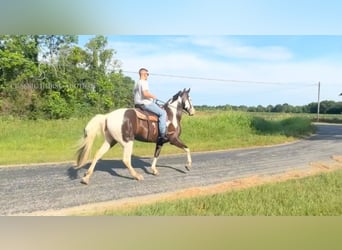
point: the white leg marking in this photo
(188, 154)
(104, 148)
(154, 166)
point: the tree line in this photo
(326, 107)
(51, 77)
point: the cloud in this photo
(230, 47)
(290, 81)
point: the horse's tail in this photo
(93, 128)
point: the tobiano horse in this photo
(125, 125)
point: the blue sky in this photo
(208, 17)
(290, 46)
(171, 17)
(251, 69)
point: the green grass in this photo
(315, 195)
(292, 126)
(328, 118)
(29, 141)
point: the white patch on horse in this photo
(114, 127)
(173, 109)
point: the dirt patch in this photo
(316, 168)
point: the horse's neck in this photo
(175, 108)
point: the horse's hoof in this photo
(139, 177)
(156, 173)
(188, 167)
(85, 181)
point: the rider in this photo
(144, 99)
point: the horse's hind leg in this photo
(127, 155)
(104, 148)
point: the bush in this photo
(56, 107)
(293, 126)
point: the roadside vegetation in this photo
(54, 77)
(36, 141)
(50, 87)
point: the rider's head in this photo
(143, 73)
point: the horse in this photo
(125, 125)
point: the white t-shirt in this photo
(139, 98)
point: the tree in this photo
(278, 108)
(269, 108)
(51, 45)
(101, 58)
(49, 76)
(18, 71)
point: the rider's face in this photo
(144, 75)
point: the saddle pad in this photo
(145, 115)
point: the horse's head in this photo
(186, 102)
(181, 102)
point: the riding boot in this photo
(162, 139)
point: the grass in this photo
(328, 118)
(28, 141)
(292, 126)
(314, 195)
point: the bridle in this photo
(162, 103)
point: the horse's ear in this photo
(188, 90)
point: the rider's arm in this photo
(147, 94)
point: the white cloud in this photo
(233, 48)
(274, 64)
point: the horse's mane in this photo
(174, 98)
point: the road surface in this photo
(28, 189)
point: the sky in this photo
(260, 52)
(235, 69)
(212, 17)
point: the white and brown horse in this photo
(123, 126)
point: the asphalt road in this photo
(30, 189)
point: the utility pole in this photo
(318, 100)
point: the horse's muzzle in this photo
(192, 112)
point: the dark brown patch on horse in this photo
(113, 141)
(129, 125)
(171, 129)
(139, 129)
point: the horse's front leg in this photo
(189, 163)
(178, 143)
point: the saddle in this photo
(145, 115)
(147, 121)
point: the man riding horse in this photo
(143, 99)
(125, 125)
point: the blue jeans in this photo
(161, 113)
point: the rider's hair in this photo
(142, 69)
